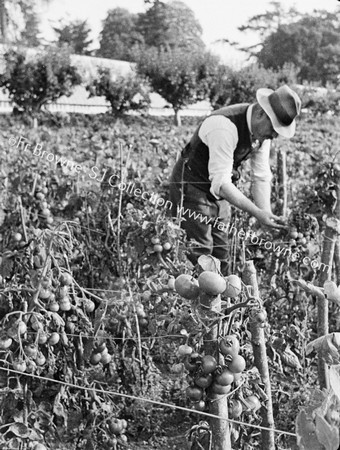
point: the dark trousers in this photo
(204, 218)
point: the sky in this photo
(218, 18)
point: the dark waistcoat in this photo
(197, 153)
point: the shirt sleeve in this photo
(221, 136)
(260, 163)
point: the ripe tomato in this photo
(225, 378)
(44, 294)
(40, 196)
(42, 337)
(190, 363)
(158, 248)
(166, 246)
(17, 237)
(199, 406)
(21, 326)
(19, 365)
(62, 292)
(184, 350)
(100, 347)
(54, 338)
(89, 305)
(95, 358)
(5, 342)
(31, 350)
(65, 279)
(40, 359)
(40, 447)
(140, 311)
(124, 423)
(293, 233)
(229, 345)
(105, 358)
(235, 409)
(253, 402)
(187, 287)
(208, 364)
(237, 365)
(194, 393)
(53, 306)
(233, 286)
(261, 316)
(65, 304)
(115, 426)
(171, 283)
(211, 283)
(219, 389)
(204, 381)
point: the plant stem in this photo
(261, 361)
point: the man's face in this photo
(263, 128)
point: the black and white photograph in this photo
(169, 225)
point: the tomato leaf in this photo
(208, 262)
(328, 435)
(334, 380)
(306, 433)
(332, 291)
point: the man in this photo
(202, 182)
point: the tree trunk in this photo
(282, 181)
(178, 120)
(261, 361)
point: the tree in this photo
(239, 86)
(76, 35)
(124, 93)
(267, 23)
(312, 44)
(19, 21)
(30, 34)
(119, 35)
(34, 82)
(181, 78)
(170, 25)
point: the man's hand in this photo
(269, 219)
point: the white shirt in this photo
(221, 136)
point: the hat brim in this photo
(262, 98)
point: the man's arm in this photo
(234, 196)
(261, 176)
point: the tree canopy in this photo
(310, 42)
(163, 25)
(180, 78)
(75, 35)
(170, 25)
(119, 35)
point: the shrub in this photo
(124, 93)
(230, 86)
(35, 81)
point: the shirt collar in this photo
(249, 111)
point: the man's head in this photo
(281, 106)
(261, 124)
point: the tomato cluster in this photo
(209, 377)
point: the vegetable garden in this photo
(110, 339)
